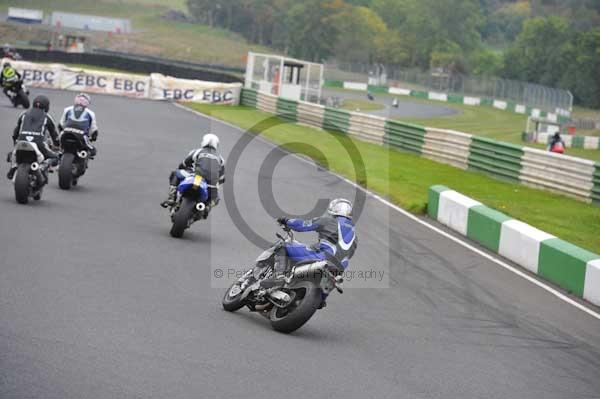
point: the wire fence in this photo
(528, 94)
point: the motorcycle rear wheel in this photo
(306, 302)
(65, 171)
(22, 183)
(182, 217)
(23, 99)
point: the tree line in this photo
(551, 42)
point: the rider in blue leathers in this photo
(81, 117)
(337, 240)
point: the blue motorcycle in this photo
(190, 205)
(289, 306)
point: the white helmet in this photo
(340, 207)
(210, 140)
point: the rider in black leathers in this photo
(34, 126)
(211, 165)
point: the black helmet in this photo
(42, 103)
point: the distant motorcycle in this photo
(290, 306)
(190, 204)
(75, 157)
(29, 179)
(18, 94)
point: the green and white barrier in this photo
(572, 141)
(554, 116)
(575, 177)
(566, 265)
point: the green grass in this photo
(404, 178)
(487, 122)
(361, 105)
(152, 35)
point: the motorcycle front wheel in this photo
(232, 300)
(305, 304)
(182, 217)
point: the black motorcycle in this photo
(289, 306)
(75, 155)
(29, 179)
(19, 95)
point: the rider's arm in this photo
(188, 162)
(304, 225)
(63, 119)
(18, 128)
(222, 172)
(93, 125)
(51, 127)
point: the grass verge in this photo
(361, 105)
(404, 178)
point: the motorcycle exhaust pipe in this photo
(82, 154)
(35, 166)
(200, 206)
(310, 269)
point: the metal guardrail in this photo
(188, 64)
(530, 94)
(133, 63)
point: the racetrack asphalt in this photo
(98, 301)
(406, 107)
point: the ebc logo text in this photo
(34, 75)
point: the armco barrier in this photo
(139, 64)
(404, 136)
(287, 110)
(556, 172)
(566, 265)
(492, 157)
(336, 120)
(575, 177)
(447, 146)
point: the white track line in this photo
(409, 215)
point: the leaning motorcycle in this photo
(74, 159)
(190, 204)
(291, 305)
(29, 178)
(19, 95)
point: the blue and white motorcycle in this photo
(190, 205)
(292, 304)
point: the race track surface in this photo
(97, 301)
(406, 107)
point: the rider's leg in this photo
(92, 149)
(10, 157)
(174, 180)
(292, 253)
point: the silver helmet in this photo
(340, 207)
(210, 140)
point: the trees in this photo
(540, 52)
(361, 35)
(552, 42)
(583, 71)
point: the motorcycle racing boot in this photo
(170, 201)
